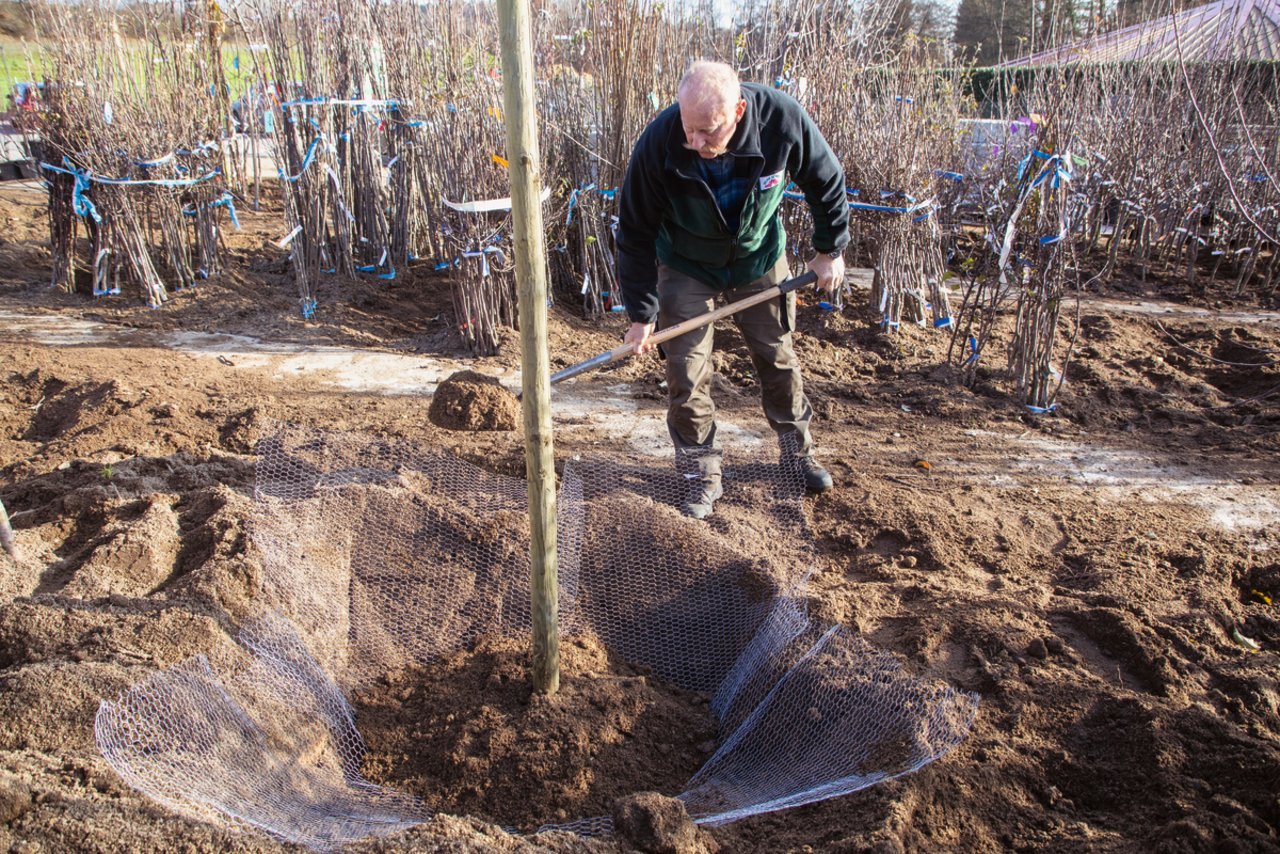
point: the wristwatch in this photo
(835, 253)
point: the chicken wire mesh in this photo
(378, 556)
(261, 736)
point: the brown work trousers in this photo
(766, 328)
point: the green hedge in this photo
(993, 88)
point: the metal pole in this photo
(520, 112)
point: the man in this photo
(698, 220)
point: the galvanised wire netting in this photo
(261, 736)
(378, 556)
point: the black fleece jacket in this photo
(668, 214)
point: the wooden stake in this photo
(531, 280)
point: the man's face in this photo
(708, 130)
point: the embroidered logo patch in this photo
(768, 182)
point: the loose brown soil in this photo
(471, 401)
(1089, 574)
(468, 738)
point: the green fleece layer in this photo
(668, 214)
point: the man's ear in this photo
(740, 109)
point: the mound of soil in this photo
(471, 401)
(468, 735)
(653, 822)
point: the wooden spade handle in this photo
(618, 353)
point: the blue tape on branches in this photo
(1055, 170)
(306, 162)
(1026, 161)
(84, 206)
(912, 207)
(200, 150)
(226, 200)
(576, 193)
(573, 200)
(864, 206)
(151, 164)
(88, 176)
(81, 203)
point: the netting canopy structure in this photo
(378, 556)
(1224, 31)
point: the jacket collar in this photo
(746, 140)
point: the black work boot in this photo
(816, 478)
(703, 492)
(702, 474)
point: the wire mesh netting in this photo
(378, 556)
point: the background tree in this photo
(933, 19)
(1060, 22)
(992, 30)
(901, 20)
(1129, 12)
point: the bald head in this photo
(711, 105)
(709, 85)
